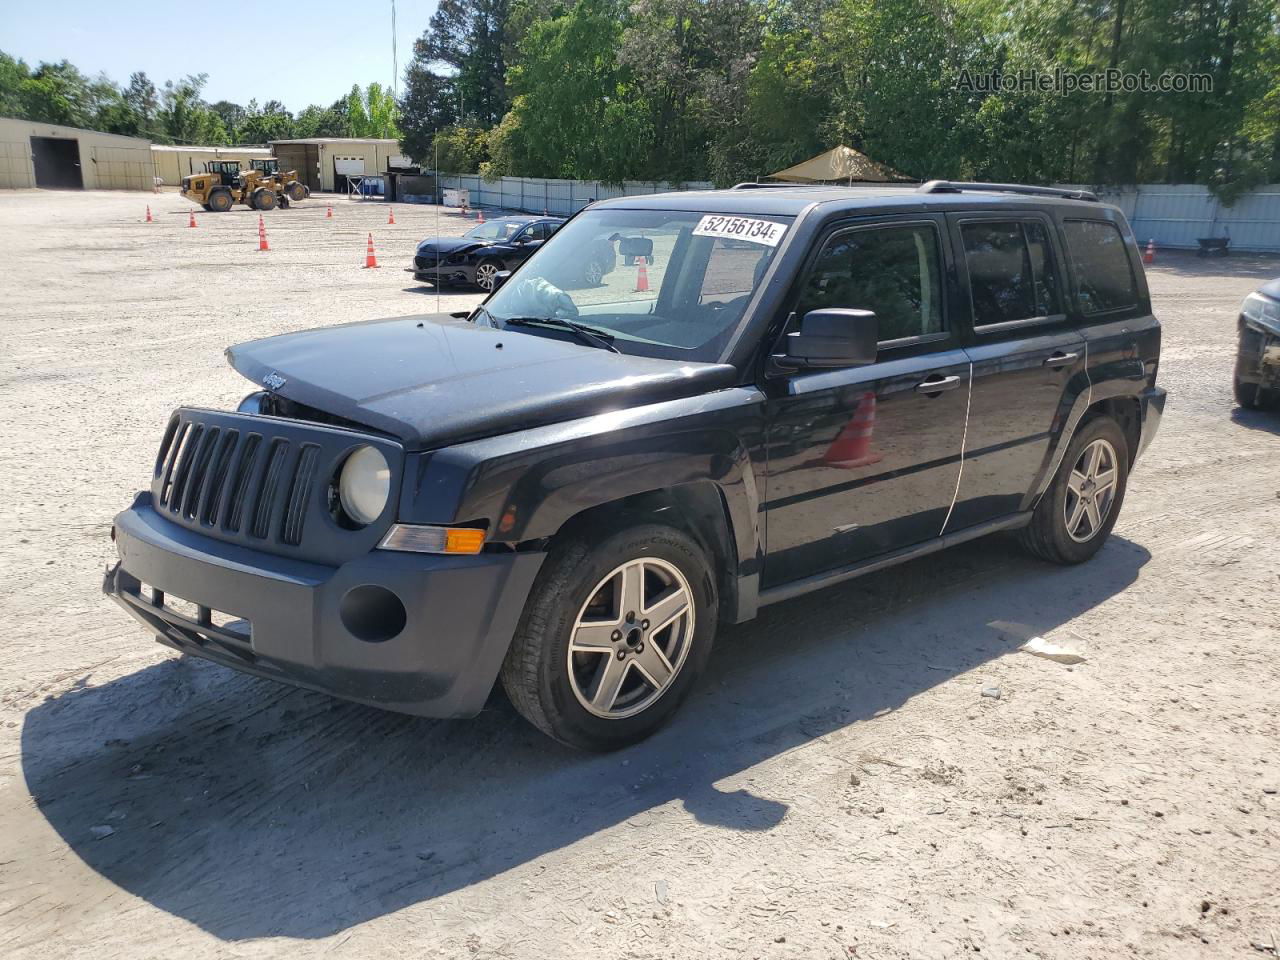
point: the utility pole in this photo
(395, 53)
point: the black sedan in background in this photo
(1257, 379)
(482, 252)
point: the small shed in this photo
(840, 165)
(34, 154)
(174, 163)
(327, 163)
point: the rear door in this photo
(1028, 359)
(864, 460)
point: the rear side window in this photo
(1011, 271)
(1100, 263)
(893, 271)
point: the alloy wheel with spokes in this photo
(487, 275)
(631, 638)
(1091, 489)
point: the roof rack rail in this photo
(767, 186)
(959, 186)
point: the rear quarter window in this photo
(1100, 264)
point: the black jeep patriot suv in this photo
(569, 488)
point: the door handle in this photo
(937, 386)
(1060, 359)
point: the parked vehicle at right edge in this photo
(569, 488)
(1257, 377)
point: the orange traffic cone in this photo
(328, 213)
(391, 216)
(852, 446)
(192, 221)
(262, 235)
(369, 259)
(642, 276)
(149, 213)
(1150, 255)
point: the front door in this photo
(864, 460)
(1028, 360)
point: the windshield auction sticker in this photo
(741, 228)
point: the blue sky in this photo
(320, 50)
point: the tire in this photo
(263, 199)
(569, 695)
(219, 201)
(593, 272)
(296, 191)
(486, 274)
(1049, 535)
(1246, 393)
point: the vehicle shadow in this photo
(254, 810)
(1267, 420)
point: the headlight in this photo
(1263, 311)
(253, 403)
(364, 485)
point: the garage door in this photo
(348, 166)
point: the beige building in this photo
(328, 163)
(45, 155)
(174, 163)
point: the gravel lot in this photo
(839, 787)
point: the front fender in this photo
(526, 485)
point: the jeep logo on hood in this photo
(273, 381)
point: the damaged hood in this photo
(436, 380)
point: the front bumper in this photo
(1152, 401)
(443, 274)
(460, 614)
(1258, 356)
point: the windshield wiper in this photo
(588, 335)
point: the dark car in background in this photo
(484, 251)
(1257, 378)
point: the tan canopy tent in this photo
(839, 164)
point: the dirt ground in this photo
(840, 786)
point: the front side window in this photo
(684, 301)
(893, 271)
(1101, 265)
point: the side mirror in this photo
(835, 337)
(501, 277)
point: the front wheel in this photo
(487, 275)
(296, 191)
(220, 201)
(1075, 516)
(613, 637)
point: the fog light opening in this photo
(371, 613)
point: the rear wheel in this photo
(219, 201)
(613, 637)
(264, 199)
(1246, 393)
(296, 191)
(1076, 514)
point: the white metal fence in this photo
(1173, 215)
(1178, 215)
(557, 197)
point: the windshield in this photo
(659, 283)
(494, 230)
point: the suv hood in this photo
(436, 380)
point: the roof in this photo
(788, 201)
(38, 128)
(340, 140)
(839, 164)
(166, 148)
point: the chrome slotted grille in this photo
(259, 481)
